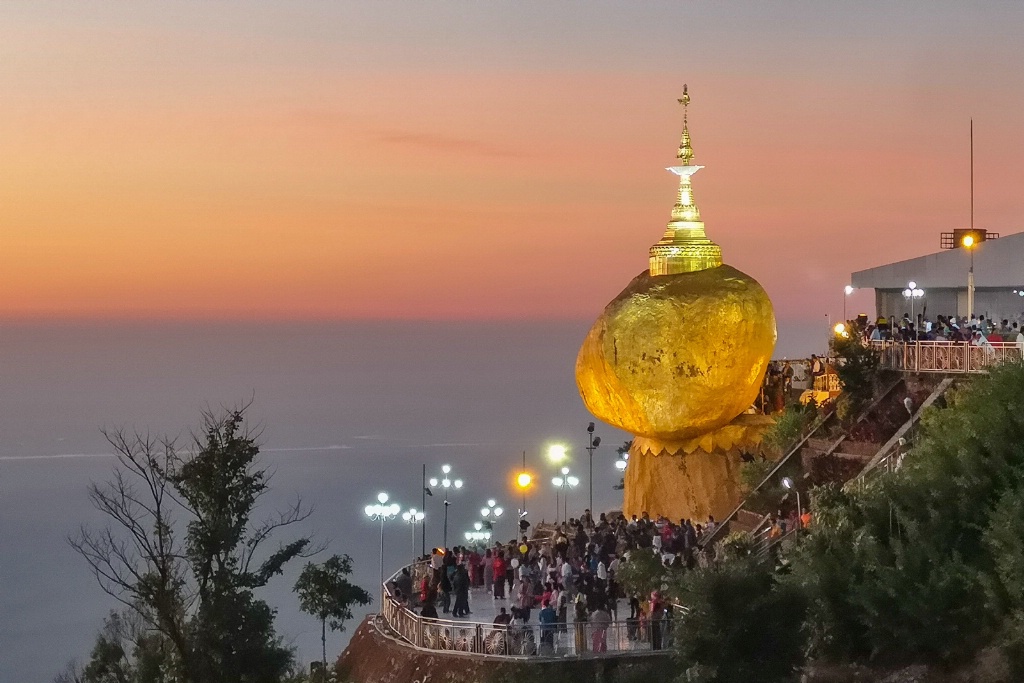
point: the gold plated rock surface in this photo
(677, 356)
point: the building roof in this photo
(997, 263)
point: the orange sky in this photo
(500, 161)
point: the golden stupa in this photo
(677, 359)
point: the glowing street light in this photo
(382, 511)
(492, 512)
(412, 517)
(912, 293)
(557, 453)
(524, 480)
(446, 483)
(561, 483)
(847, 291)
(789, 485)
(969, 244)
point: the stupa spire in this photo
(685, 247)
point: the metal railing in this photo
(944, 356)
(569, 639)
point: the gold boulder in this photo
(674, 357)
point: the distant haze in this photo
(345, 410)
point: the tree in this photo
(326, 593)
(181, 550)
(641, 572)
(741, 625)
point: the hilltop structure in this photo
(676, 359)
(943, 279)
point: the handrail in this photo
(572, 639)
(944, 356)
(722, 526)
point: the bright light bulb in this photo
(446, 482)
(848, 289)
(524, 479)
(420, 516)
(497, 512)
(478, 525)
(620, 464)
(368, 510)
(556, 452)
(393, 510)
(382, 497)
(565, 470)
(406, 515)
(491, 502)
(968, 241)
(573, 481)
(484, 511)
(912, 284)
(458, 483)
(446, 468)
(433, 481)
(557, 481)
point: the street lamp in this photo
(492, 511)
(847, 291)
(412, 516)
(912, 293)
(382, 511)
(789, 485)
(557, 453)
(446, 483)
(595, 441)
(561, 483)
(523, 480)
(968, 243)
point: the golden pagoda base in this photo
(692, 478)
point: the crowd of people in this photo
(977, 330)
(568, 577)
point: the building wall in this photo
(995, 304)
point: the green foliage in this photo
(927, 563)
(788, 428)
(742, 625)
(196, 595)
(766, 498)
(326, 593)
(641, 572)
(857, 370)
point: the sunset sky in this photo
(294, 160)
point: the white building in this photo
(998, 281)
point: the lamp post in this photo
(566, 481)
(912, 293)
(788, 484)
(968, 242)
(847, 291)
(446, 483)
(413, 517)
(492, 512)
(595, 441)
(382, 511)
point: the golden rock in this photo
(674, 357)
(693, 478)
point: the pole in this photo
(382, 554)
(970, 287)
(590, 450)
(522, 511)
(413, 525)
(799, 511)
(423, 530)
(972, 174)
(446, 518)
(557, 508)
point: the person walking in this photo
(499, 576)
(488, 563)
(460, 586)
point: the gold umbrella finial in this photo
(685, 149)
(685, 247)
